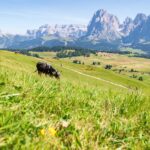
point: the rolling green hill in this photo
(88, 108)
(119, 62)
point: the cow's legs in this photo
(39, 73)
(46, 74)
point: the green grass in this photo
(109, 75)
(117, 60)
(97, 117)
(45, 54)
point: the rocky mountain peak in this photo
(128, 20)
(127, 26)
(102, 16)
(103, 26)
(100, 13)
(139, 18)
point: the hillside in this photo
(77, 112)
(120, 74)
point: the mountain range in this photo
(104, 31)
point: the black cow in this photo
(47, 70)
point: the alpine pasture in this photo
(88, 108)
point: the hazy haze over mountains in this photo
(103, 29)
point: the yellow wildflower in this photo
(42, 131)
(52, 131)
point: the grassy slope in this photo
(97, 118)
(117, 61)
(111, 76)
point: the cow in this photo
(47, 69)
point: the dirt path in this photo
(119, 85)
(90, 76)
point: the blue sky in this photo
(16, 16)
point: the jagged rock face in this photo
(145, 31)
(127, 26)
(103, 26)
(139, 19)
(140, 32)
(59, 31)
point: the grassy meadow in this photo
(127, 78)
(77, 111)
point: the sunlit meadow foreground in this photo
(44, 113)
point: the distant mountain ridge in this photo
(59, 31)
(104, 31)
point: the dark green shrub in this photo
(140, 78)
(108, 66)
(94, 63)
(98, 63)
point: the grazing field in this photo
(117, 60)
(88, 108)
(125, 70)
(45, 54)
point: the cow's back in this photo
(47, 69)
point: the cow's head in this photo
(56, 74)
